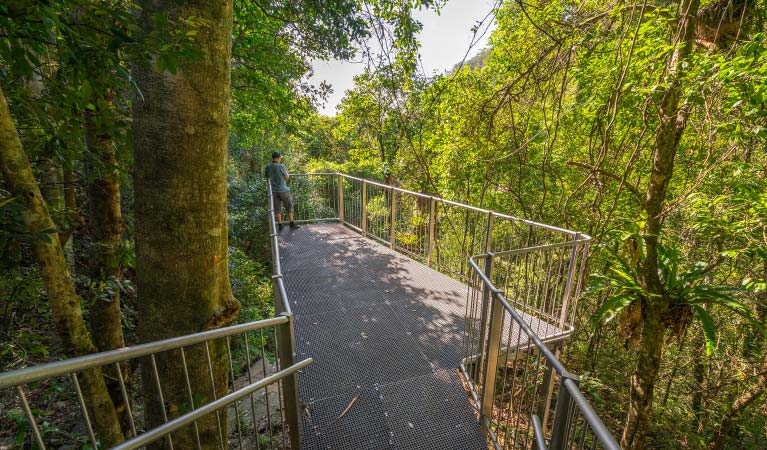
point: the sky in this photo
(445, 39)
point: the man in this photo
(278, 177)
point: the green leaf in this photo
(709, 329)
(610, 308)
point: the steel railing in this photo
(523, 281)
(268, 393)
(62, 377)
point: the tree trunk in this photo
(65, 303)
(180, 143)
(643, 382)
(655, 304)
(105, 226)
(71, 208)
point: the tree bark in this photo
(70, 205)
(65, 303)
(180, 144)
(105, 226)
(655, 304)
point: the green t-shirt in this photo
(276, 173)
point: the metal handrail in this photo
(569, 391)
(58, 368)
(498, 293)
(454, 203)
(189, 418)
(279, 283)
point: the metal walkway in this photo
(383, 329)
(370, 348)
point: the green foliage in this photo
(251, 285)
(686, 288)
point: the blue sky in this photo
(445, 39)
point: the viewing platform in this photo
(403, 322)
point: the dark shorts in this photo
(283, 198)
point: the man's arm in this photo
(285, 172)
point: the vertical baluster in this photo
(236, 403)
(364, 213)
(30, 417)
(158, 386)
(190, 396)
(81, 402)
(393, 218)
(126, 400)
(250, 382)
(213, 393)
(432, 224)
(266, 388)
(340, 198)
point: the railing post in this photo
(340, 198)
(495, 313)
(287, 345)
(546, 390)
(364, 213)
(559, 430)
(392, 223)
(432, 223)
(489, 233)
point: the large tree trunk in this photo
(655, 305)
(65, 303)
(180, 143)
(105, 226)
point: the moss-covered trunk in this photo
(105, 226)
(180, 143)
(656, 309)
(65, 303)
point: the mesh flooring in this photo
(382, 326)
(431, 412)
(362, 427)
(361, 348)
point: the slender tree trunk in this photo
(65, 303)
(105, 226)
(655, 305)
(52, 185)
(70, 204)
(180, 143)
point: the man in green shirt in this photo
(278, 177)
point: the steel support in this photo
(546, 390)
(560, 428)
(287, 355)
(486, 305)
(340, 198)
(491, 355)
(489, 233)
(432, 223)
(393, 220)
(364, 213)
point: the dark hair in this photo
(276, 155)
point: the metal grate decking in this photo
(382, 329)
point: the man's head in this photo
(276, 156)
